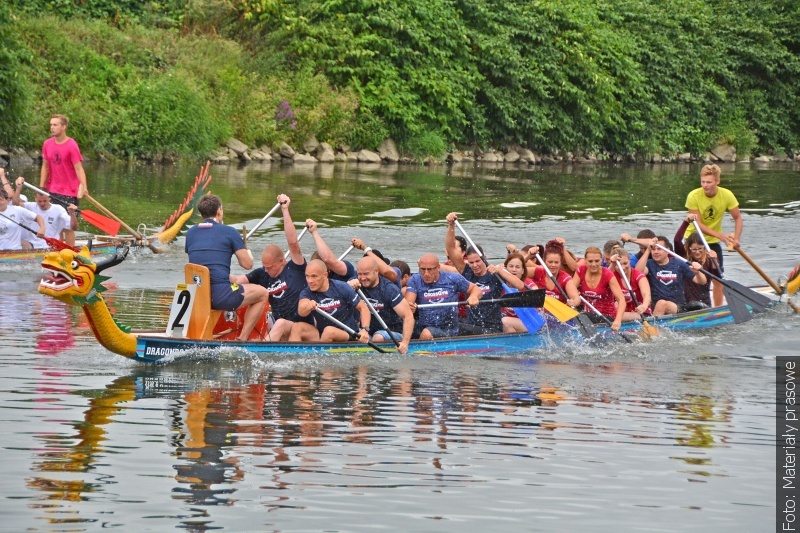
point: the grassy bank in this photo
(177, 77)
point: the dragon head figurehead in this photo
(73, 278)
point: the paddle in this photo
(534, 298)
(738, 309)
(777, 288)
(129, 229)
(349, 330)
(261, 222)
(562, 311)
(377, 316)
(559, 309)
(604, 318)
(725, 290)
(530, 318)
(705, 244)
(97, 220)
(53, 243)
(346, 252)
(737, 295)
(299, 238)
(646, 327)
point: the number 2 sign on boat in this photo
(181, 310)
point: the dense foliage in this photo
(621, 76)
(13, 99)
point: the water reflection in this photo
(55, 334)
(296, 429)
(75, 454)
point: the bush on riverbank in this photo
(629, 77)
(637, 76)
(143, 92)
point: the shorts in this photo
(692, 306)
(475, 329)
(321, 323)
(388, 334)
(717, 247)
(294, 317)
(435, 332)
(66, 200)
(226, 296)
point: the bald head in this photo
(317, 266)
(429, 267)
(367, 263)
(367, 271)
(272, 260)
(317, 276)
(428, 259)
(272, 251)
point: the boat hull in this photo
(158, 348)
(29, 256)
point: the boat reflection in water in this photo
(296, 430)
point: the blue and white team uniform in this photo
(339, 301)
(484, 318)
(284, 290)
(440, 321)
(383, 297)
(212, 245)
(666, 281)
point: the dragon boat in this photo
(195, 329)
(27, 256)
(108, 244)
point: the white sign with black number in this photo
(181, 310)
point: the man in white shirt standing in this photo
(59, 223)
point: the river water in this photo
(675, 434)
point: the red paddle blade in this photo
(107, 225)
(58, 245)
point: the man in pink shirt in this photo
(62, 172)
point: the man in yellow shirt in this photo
(709, 203)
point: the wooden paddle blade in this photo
(759, 302)
(737, 306)
(103, 223)
(559, 309)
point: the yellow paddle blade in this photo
(559, 309)
(649, 330)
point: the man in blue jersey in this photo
(212, 244)
(388, 302)
(485, 318)
(284, 280)
(433, 285)
(666, 274)
(337, 299)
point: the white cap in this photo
(23, 198)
